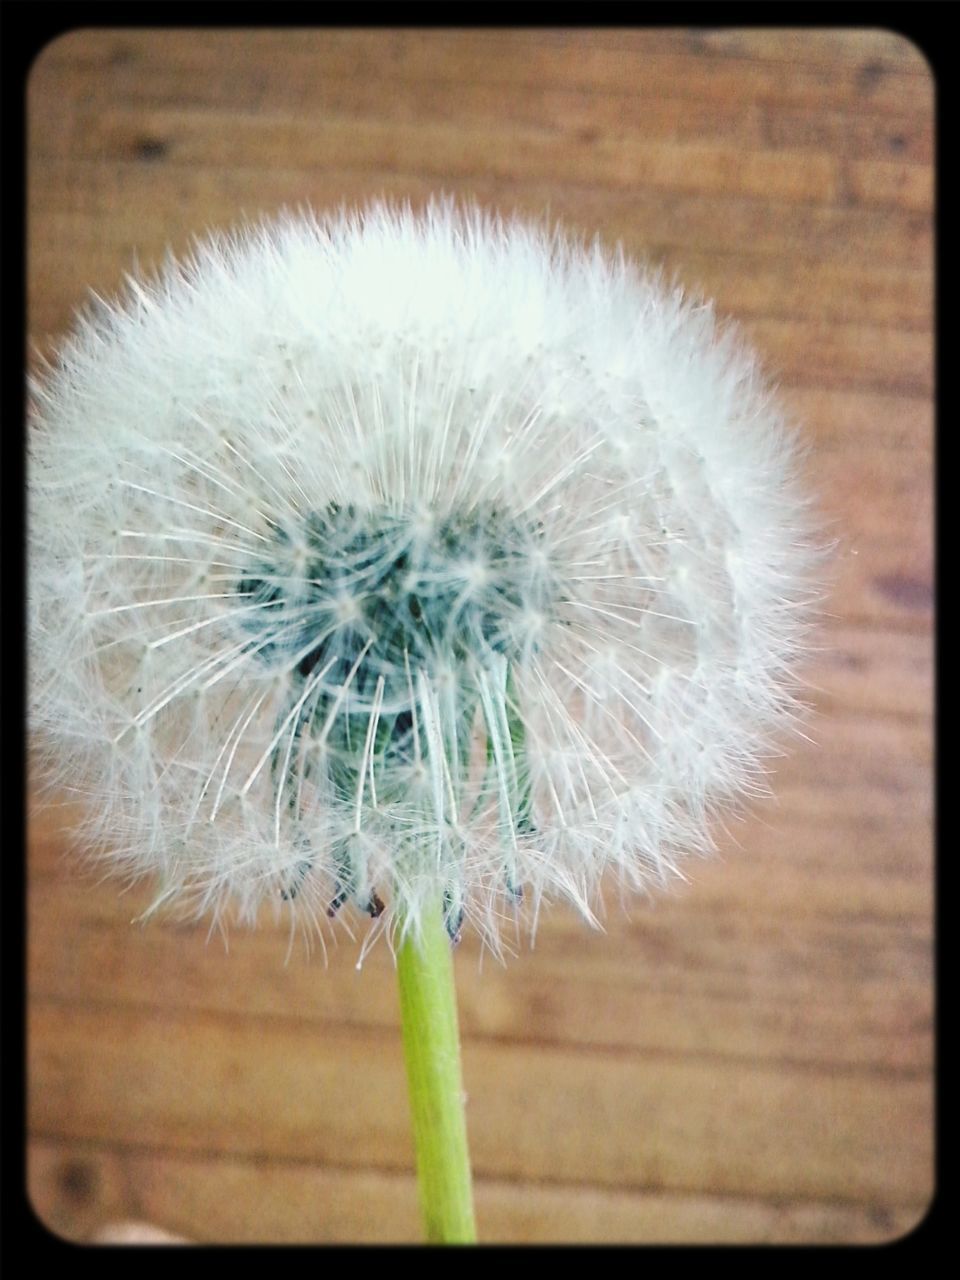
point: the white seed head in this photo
(382, 556)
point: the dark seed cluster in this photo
(416, 591)
(356, 605)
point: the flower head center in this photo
(393, 593)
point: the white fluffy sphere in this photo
(382, 558)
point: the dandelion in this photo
(410, 565)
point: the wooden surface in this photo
(748, 1059)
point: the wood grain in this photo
(745, 1059)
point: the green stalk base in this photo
(431, 1047)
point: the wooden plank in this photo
(876, 503)
(820, 994)
(222, 61)
(848, 133)
(200, 1083)
(825, 293)
(447, 149)
(54, 133)
(896, 589)
(884, 561)
(133, 201)
(76, 1187)
(891, 183)
(449, 146)
(874, 672)
(845, 356)
(878, 754)
(889, 48)
(804, 45)
(585, 115)
(839, 423)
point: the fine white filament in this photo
(382, 555)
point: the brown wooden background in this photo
(748, 1059)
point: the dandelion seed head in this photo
(386, 555)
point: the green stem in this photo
(431, 1046)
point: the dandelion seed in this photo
(381, 557)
